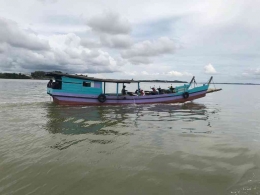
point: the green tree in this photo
(38, 74)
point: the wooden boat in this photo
(82, 90)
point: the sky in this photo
(166, 39)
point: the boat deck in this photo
(213, 90)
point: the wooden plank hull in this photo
(68, 99)
(213, 90)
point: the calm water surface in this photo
(210, 146)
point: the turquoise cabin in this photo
(70, 85)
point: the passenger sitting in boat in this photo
(171, 89)
(49, 83)
(142, 92)
(154, 92)
(123, 90)
(160, 90)
(56, 85)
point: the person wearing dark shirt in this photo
(49, 84)
(171, 89)
(123, 90)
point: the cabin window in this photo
(86, 84)
(57, 84)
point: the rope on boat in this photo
(213, 90)
(195, 83)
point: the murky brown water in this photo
(210, 146)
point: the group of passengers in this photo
(142, 93)
(137, 92)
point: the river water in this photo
(209, 146)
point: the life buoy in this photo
(102, 98)
(185, 95)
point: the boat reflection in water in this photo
(82, 120)
(104, 124)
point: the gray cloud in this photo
(136, 60)
(109, 41)
(11, 34)
(21, 50)
(109, 23)
(2, 47)
(253, 72)
(142, 52)
(56, 59)
(116, 41)
(90, 43)
(224, 33)
(48, 1)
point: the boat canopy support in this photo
(104, 87)
(138, 87)
(117, 89)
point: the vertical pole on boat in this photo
(138, 88)
(117, 89)
(192, 80)
(210, 80)
(104, 87)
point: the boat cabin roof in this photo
(55, 74)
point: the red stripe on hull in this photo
(62, 102)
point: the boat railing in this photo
(182, 88)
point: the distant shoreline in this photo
(24, 79)
(155, 81)
(237, 83)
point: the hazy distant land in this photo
(41, 75)
(238, 83)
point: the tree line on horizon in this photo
(34, 75)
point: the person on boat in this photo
(49, 83)
(171, 89)
(160, 91)
(142, 92)
(123, 90)
(154, 92)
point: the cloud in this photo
(134, 73)
(137, 60)
(209, 69)
(13, 35)
(2, 47)
(116, 41)
(252, 73)
(167, 74)
(21, 50)
(109, 23)
(48, 1)
(142, 52)
(209, 31)
(112, 30)
(255, 71)
(90, 43)
(178, 74)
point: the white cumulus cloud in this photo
(178, 74)
(209, 69)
